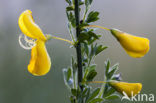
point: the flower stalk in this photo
(97, 26)
(58, 38)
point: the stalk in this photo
(78, 47)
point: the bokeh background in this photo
(18, 86)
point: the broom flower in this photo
(134, 46)
(40, 62)
(131, 89)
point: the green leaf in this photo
(84, 93)
(69, 8)
(93, 94)
(112, 97)
(92, 34)
(72, 99)
(96, 100)
(107, 66)
(69, 74)
(82, 24)
(81, 3)
(87, 75)
(112, 71)
(92, 16)
(86, 49)
(88, 2)
(68, 81)
(92, 67)
(74, 92)
(83, 36)
(69, 2)
(91, 75)
(87, 36)
(109, 92)
(88, 95)
(106, 88)
(99, 49)
(74, 65)
(71, 18)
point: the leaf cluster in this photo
(110, 74)
(89, 49)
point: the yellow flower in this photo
(28, 26)
(128, 88)
(40, 62)
(135, 46)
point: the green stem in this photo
(78, 47)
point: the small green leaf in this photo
(109, 92)
(92, 67)
(99, 49)
(81, 3)
(82, 24)
(68, 81)
(87, 76)
(69, 74)
(71, 18)
(74, 92)
(91, 75)
(69, 2)
(83, 36)
(86, 49)
(96, 100)
(106, 89)
(69, 8)
(93, 94)
(112, 71)
(107, 66)
(88, 95)
(74, 65)
(72, 99)
(88, 2)
(84, 93)
(112, 97)
(87, 36)
(92, 34)
(92, 16)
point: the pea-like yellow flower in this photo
(131, 89)
(40, 62)
(135, 46)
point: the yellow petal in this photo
(40, 62)
(28, 26)
(128, 88)
(135, 46)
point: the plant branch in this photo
(78, 46)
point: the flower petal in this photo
(128, 88)
(40, 62)
(28, 26)
(135, 46)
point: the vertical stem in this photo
(78, 47)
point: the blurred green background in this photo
(19, 86)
